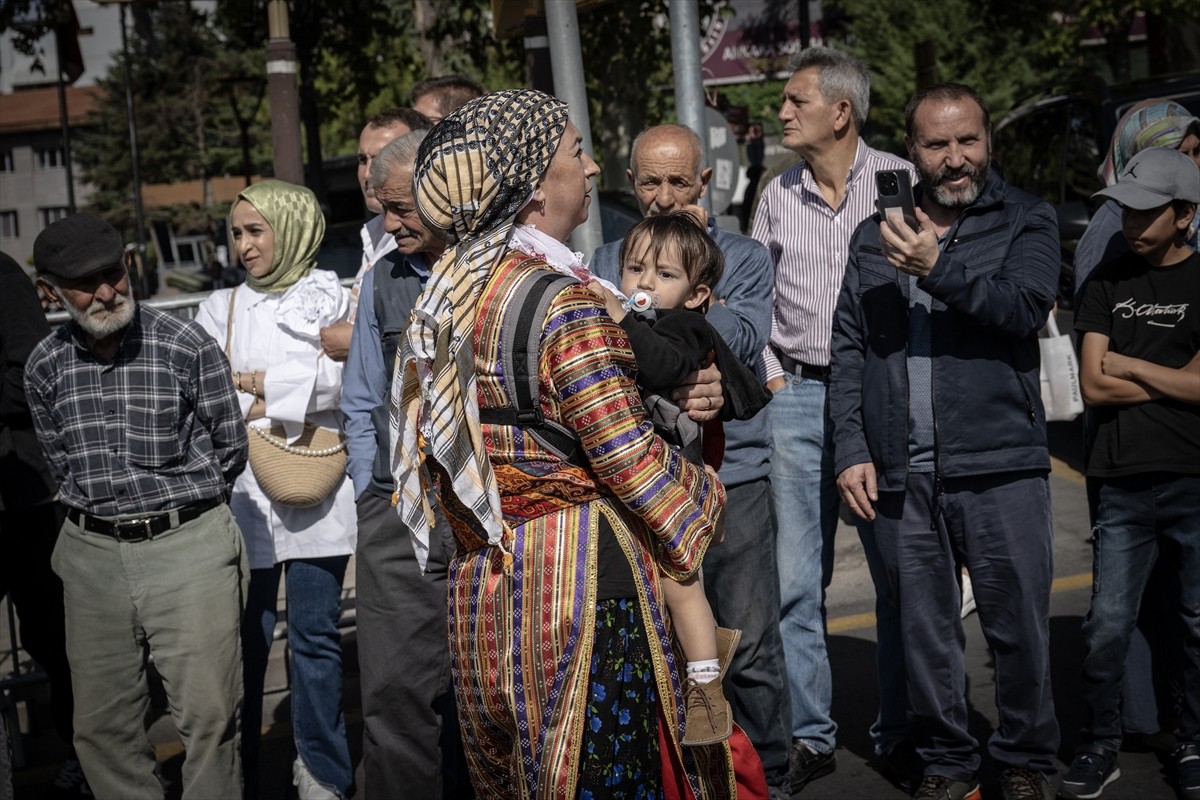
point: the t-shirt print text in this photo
(1163, 316)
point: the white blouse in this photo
(279, 334)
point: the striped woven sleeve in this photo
(587, 363)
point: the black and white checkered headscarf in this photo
(474, 171)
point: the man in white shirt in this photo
(379, 130)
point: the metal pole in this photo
(562, 28)
(537, 55)
(66, 138)
(139, 219)
(689, 85)
(281, 89)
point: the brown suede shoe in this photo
(708, 719)
(727, 642)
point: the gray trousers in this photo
(411, 742)
(180, 595)
(1000, 527)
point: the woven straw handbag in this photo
(301, 474)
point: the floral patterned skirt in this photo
(620, 757)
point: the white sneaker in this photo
(308, 787)
(968, 596)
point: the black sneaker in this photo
(939, 787)
(1187, 771)
(1094, 768)
(901, 766)
(806, 765)
(1023, 784)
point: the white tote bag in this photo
(1061, 394)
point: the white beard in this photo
(99, 320)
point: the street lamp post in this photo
(231, 84)
(281, 88)
(139, 217)
(562, 25)
(689, 85)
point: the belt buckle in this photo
(134, 534)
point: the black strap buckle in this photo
(530, 416)
(135, 530)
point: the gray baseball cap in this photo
(1155, 177)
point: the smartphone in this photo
(895, 200)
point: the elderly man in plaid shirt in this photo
(136, 415)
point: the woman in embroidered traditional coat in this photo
(564, 674)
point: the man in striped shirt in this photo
(805, 218)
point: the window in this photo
(6, 162)
(52, 215)
(1031, 149)
(50, 158)
(1083, 154)
(8, 225)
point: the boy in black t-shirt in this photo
(1140, 371)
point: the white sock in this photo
(704, 671)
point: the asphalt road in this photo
(1145, 775)
(852, 653)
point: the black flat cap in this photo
(77, 246)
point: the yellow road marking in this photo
(858, 622)
(1069, 583)
(1064, 470)
(854, 622)
(846, 624)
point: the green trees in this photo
(962, 36)
(1006, 49)
(190, 86)
(199, 79)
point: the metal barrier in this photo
(183, 305)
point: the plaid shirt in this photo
(156, 428)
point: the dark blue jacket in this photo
(992, 286)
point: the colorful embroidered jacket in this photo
(522, 642)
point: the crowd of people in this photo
(592, 503)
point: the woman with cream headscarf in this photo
(284, 380)
(564, 675)
(1150, 123)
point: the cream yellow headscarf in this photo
(295, 216)
(475, 170)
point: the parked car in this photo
(1052, 146)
